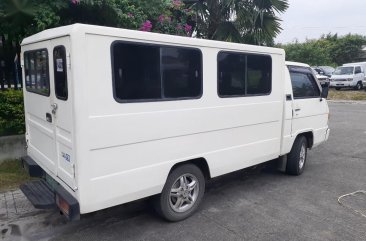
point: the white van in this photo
(115, 115)
(349, 75)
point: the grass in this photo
(12, 175)
(346, 94)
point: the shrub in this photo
(11, 112)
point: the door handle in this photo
(49, 117)
(54, 108)
(298, 109)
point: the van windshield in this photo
(343, 71)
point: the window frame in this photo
(304, 70)
(48, 72)
(66, 74)
(162, 99)
(246, 74)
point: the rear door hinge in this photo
(68, 60)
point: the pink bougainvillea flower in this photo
(161, 18)
(187, 28)
(75, 1)
(146, 26)
(179, 27)
(177, 3)
(130, 15)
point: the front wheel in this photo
(296, 159)
(182, 193)
(358, 86)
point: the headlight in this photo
(351, 79)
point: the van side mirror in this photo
(325, 91)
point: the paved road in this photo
(255, 204)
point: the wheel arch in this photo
(200, 162)
(309, 135)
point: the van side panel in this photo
(131, 147)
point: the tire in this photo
(358, 86)
(296, 159)
(337, 88)
(176, 188)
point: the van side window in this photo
(181, 72)
(358, 70)
(304, 84)
(36, 72)
(244, 74)
(60, 72)
(145, 72)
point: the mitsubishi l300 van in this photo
(115, 115)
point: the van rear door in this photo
(47, 77)
(37, 101)
(62, 110)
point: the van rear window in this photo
(37, 78)
(60, 72)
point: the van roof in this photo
(79, 30)
(296, 64)
(355, 64)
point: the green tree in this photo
(328, 50)
(112, 13)
(247, 21)
(311, 52)
(347, 48)
(20, 18)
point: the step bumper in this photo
(45, 196)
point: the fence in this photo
(10, 70)
(10, 78)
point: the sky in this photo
(309, 19)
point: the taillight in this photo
(67, 204)
(63, 205)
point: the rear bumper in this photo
(47, 193)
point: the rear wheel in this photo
(296, 159)
(182, 193)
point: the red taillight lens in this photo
(62, 205)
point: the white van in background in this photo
(115, 115)
(363, 66)
(350, 75)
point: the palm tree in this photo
(245, 21)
